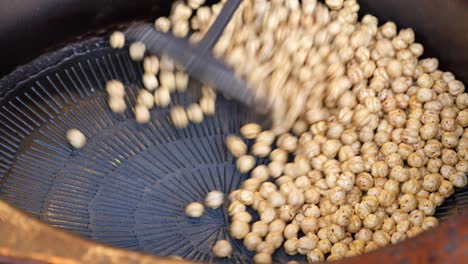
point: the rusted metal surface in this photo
(25, 240)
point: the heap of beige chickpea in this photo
(367, 140)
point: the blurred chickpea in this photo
(305, 244)
(251, 241)
(245, 163)
(291, 231)
(267, 188)
(459, 179)
(117, 40)
(334, 4)
(236, 207)
(386, 198)
(162, 97)
(279, 155)
(261, 150)
(76, 138)
(250, 130)
(262, 258)
(239, 229)
(416, 217)
(446, 188)
(260, 228)
(115, 88)
(194, 210)
(380, 237)
(142, 114)
(276, 199)
(150, 81)
(431, 182)
(428, 131)
(276, 238)
(427, 206)
(449, 157)
(455, 87)
(429, 222)
(437, 198)
(394, 68)
(462, 101)
(309, 224)
(414, 231)
(416, 160)
(425, 81)
(379, 169)
(287, 142)
(268, 215)
(291, 245)
(117, 104)
(397, 237)
(195, 113)
(245, 197)
(364, 181)
(251, 184)
(389, 30)
(208, 105)
(222, 249)
(151, 65)
(339, 249)
(335, 233)
(179, 117)
(462, 118)
(296, 198)
(214, 199)
(261, 173)
(162, 24)
(371, 221)
(137, 51)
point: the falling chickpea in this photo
(179, 117)
(137, 51)
(115, 88)
(236, 146)
(151, 65)
(214, 199)
(245, 163)
(162, 97)
(117, 40)
(195, 113)
(142, 114)
(194, 210)
(76, 138)
(222, 249)
(150, 81)
(117, 104)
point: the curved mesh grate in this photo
(128, 186)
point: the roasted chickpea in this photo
(429, 222)
(407, 202)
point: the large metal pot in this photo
(29, 28)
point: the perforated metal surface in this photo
(128, 186)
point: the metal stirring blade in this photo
(197, 60)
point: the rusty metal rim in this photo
(26, 240)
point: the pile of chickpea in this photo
(367, 138)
